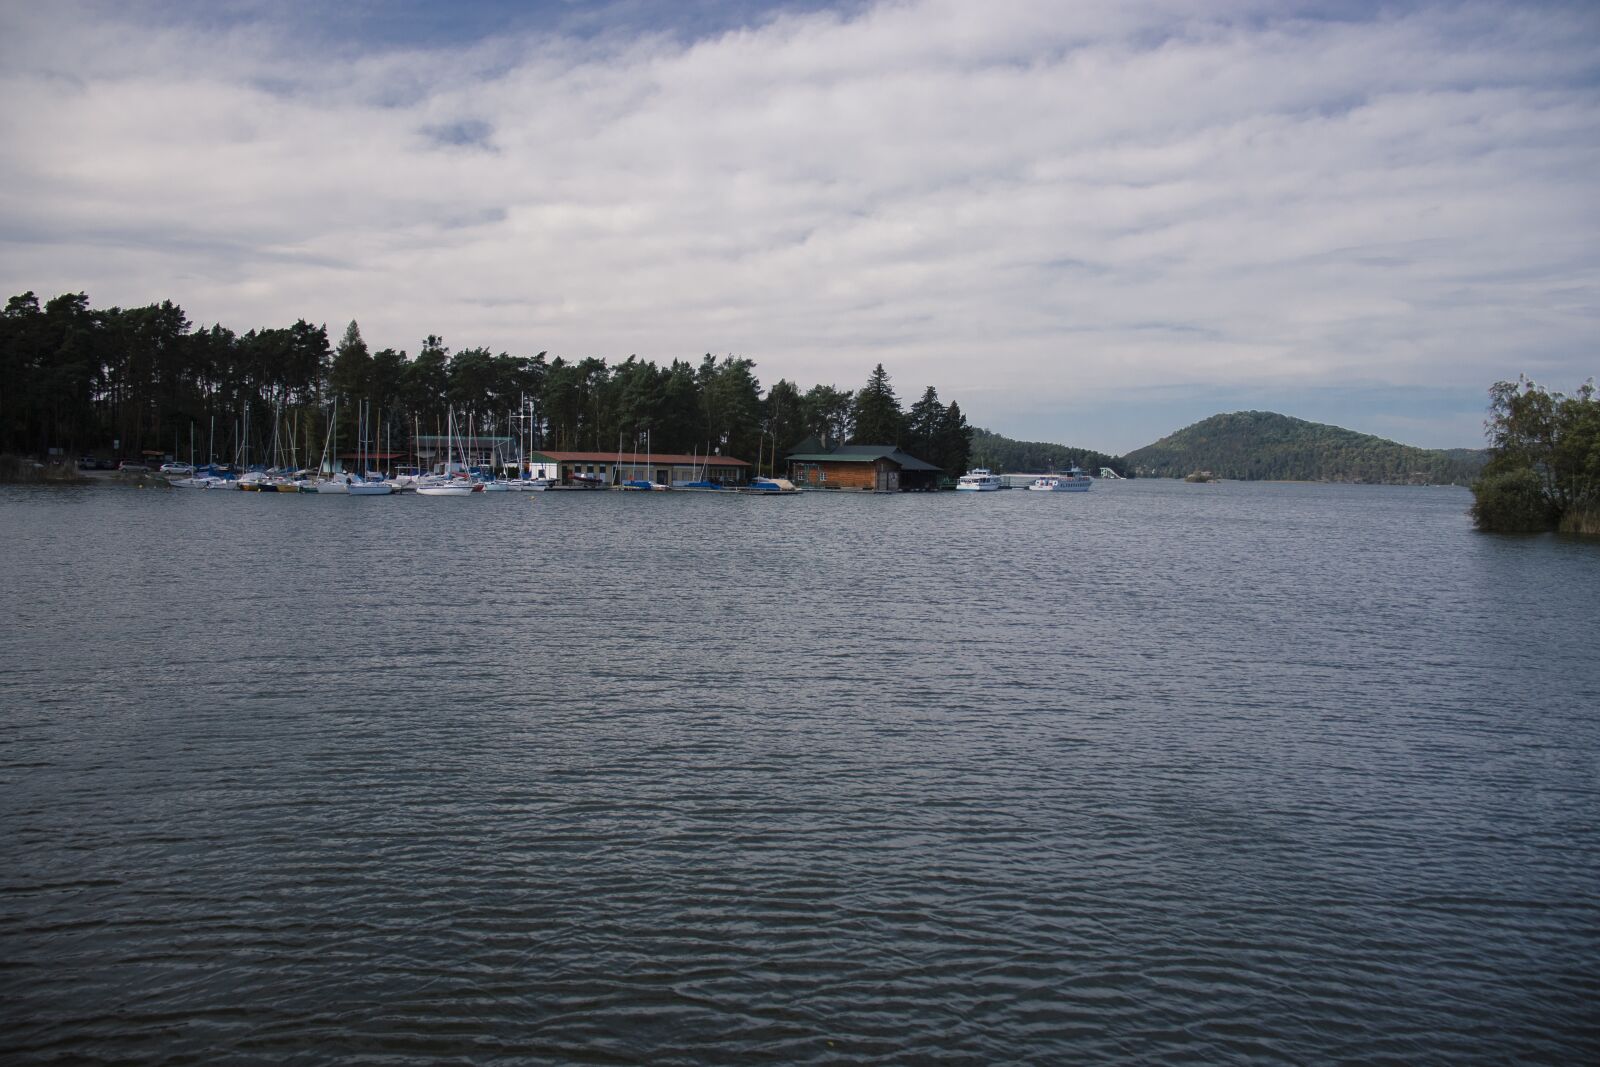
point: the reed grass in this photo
(21, 470)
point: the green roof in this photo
(866, 454)
(829, 457)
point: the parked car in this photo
(176, 468)
(131, 465)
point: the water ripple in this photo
(1259, 773)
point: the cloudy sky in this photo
(1089, 222)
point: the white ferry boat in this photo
(979, 480)
(1073, 481)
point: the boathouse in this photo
(610, 468)
(864, 468)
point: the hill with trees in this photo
(1261, 445)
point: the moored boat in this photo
(979, 480)
(769, 487)
(1072, 481)
(339, 483)
(366, 487)
(450, 488)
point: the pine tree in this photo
(878, 419)
(922, 425)
(954, 441)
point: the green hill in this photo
(1263, 445)
(1002, 454)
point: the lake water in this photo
(1159, 773)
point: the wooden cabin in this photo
(862, 468)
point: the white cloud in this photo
(1036, 208)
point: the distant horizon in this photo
(1086, 223)
(1215, 414)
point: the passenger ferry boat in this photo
(1073, 481)
(979, 480)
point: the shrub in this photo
(1513, 501)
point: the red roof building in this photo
(665, 468)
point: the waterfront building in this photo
(608, 468)
(864, 468)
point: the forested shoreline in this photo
(77, 380)
(1001, 453)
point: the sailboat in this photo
(335, 481)
(768, 485)
(443, 484)
(195, 479)
(365, 484)
(645, 483)
(525, 480)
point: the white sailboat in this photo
(332, 481)
(194, 480)
(443, 484)
(366, 484)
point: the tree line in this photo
(1004, 454)
(1544, 461)
(78, 380)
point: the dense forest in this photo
(76, 380)
(1003, 454)
(1544, 461)
(1262, 445)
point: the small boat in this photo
(1073, 481)
(447, 485)
(199, 478)
(769, 487)
(979, 480)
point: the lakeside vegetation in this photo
(1544, 461)
(21, 470)
(1262, 445)
(77, 380)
